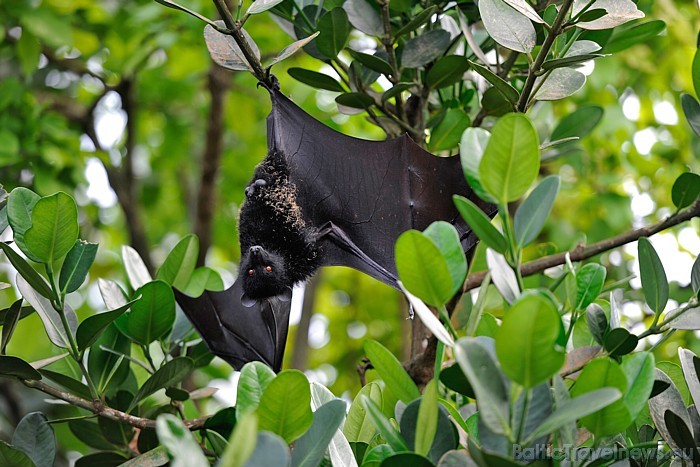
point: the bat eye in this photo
(268, 268)
(251, 272)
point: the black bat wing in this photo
(236, 333)
(369, 192)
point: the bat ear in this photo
(286, 295)
(248, 302)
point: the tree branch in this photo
(98, 408)
(584, 252)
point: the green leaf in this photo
(477, 359)
(311, 447)
(696, 72)
(691, 109)
(204, 278)
(575, 409)
(20, 204)
(358, 427)
(526, 341)
(447, 71)
(695, 276)
(76, 266)
(291, 49)
(50, 318)
(416, 21)
(335, 29)
(365, 17)
(36, 438)
(504, 87)
(620, 342)
(589, 283)
(686, 189)
(355, 100)
(654, 282)
(169, 374)
(532, 214)
(109, 367)
(373, 62)
(384, 426)
(14, 313)
(448, 132)
(598, 374)
(106, 458)
(27, 272)
(471, 150)
(136, 270)
(568, 61)
(578, 124)
(639, 370)
(71, 384)
(180, 263)
(183, 449)
(259, 6)
(24, 312)
(392, 373)
(152, 316)
(270, 449)
(431, 322)
(446, 238)
(13, 457)
(16, 367)
(315, 79)
(396, 89)
(156, 456)
(453, 378)
(255, 377)
(637, 34)
(511, 160)
(479, 222)
(424, 48)
(89, 433)
(508, 27)
(426, 425)
(54, 228)
(284, 407)
(92, 327)
(597, 322)
(423, 269)
(224, 49)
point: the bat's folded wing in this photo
(236, 333)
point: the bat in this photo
(321, 198)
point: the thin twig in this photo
(584, 252)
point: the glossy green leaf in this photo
(532, 214)
(169, 374)
(654, 282)
(152, 316)
(105, 366)
(569, 61)
(310, 448)
(448, 132)
(20, 204)
(597, 322)
(335, 29)
(511, 160)
(477, 359)
(573, 409)
(686, 189)
(392, 373)
(480, 224)
(259, 6)
(526, 341)
(11, 456)
(364, 16)
(76, 266)
(454, 378)
(620, 342)
(291, 49)
(691, 109)
(417, 21)
(315, 79)
(578, 124)
(91, 328)
(373, 62)
(503, 276)
(204, 278)
(695, 276)
(136, 269)
(71, 384)
(446, 238)
(54, 228)
(255, 377)
(504, 87)
(14, 313)
(598, 374)
(558, 84)
(50, 318)
(424, 48)
(426, 426)
(183, 449)
(589, 283)
(637, 34)
(180, 263)
(16, 367)
(358, 427)
(431, 322)
(422, 268)
(384, 426)
(355, 100)
(36, 438)
(471, 150)
(447, 71)
(284, 407)
(32, 277)
(639, 370)
(696, 72)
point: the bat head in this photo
(264, 275)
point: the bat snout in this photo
(256, 250)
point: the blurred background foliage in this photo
(62, 59)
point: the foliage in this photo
(541, 360)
